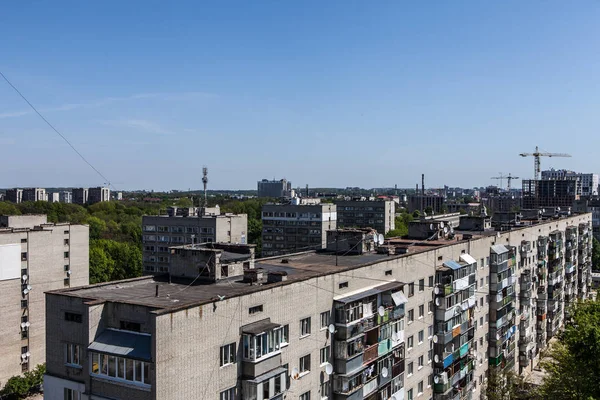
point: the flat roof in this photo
(182, 293)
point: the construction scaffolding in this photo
(549, 193)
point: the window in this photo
(420, 362)
(66, 267)
(25, 367)
(343, 285)
(120, 369)
(430, 307)
(421, 310)
(411, 316)
(66, 241)
(430, 281)
(23, 240)
(481, 301)
(481, 321)
(23, 303)
(73, 317)
(429, 381)
(325, 354)
(130, 326)
(71, 394)
(255, 309)
(24, 256)
(72, 352)
(66, 281)
(24, 334)
(410, 342)
(227, 354)
(24, 318)
(325, 317)
(66, 254)
(410, 368)
(430, 331)
(325, 389)
(305, 327)
(409, 395)
(411, 289)
(481, 263)
(388, 272)
(421, 336)
(305, 396)
(429, 356)
(420, 388)
(481, 282)
(421, 285)
(228, 394)
(305, 364)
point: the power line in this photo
(56, 130)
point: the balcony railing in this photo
(371, 353)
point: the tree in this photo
(97, 227)
(18, 387)
(573, 363)
(595, 255)
(507, 385)
(184, 202)
(101, 265)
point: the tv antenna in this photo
(205, 182)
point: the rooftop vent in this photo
(253, 276)
(276, 276)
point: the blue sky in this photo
(347, 93)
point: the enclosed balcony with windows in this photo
(262, 342)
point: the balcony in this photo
(349, 366)
(371, 353)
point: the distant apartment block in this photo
(275, 189)
(184, 226)
(80, 196)
(296, 226)
(35, 257)
(34, 194)
(65, 197)
(377, 214)
(422, 202)
(54, 197)
(428, 322)
(549, 193)
(14, 195)
(587, 184)
(98, 195)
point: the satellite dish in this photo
(28, 354)
(29, 287)
(381, 238)
(441, 224)
(23, 356)
(295, 374)
(331, 328)
(436, 358)
(376, 239)
(436, 290)
(69, 272)
(27, 324)
(24, 277)
(437, 301)
(328, 369)
(464, 306)
(395, 336)
(436, 379)
(435, 339)
(381, 311)
(431, 227)
(23, 325)
(446, 229)
(395, 398)
(498, 235)
(25, 291)
(384, 372)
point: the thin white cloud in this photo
(142, 125)
(109, 100)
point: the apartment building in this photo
(80, 196)
(549, 193)
(426, 322)
(187, 225)
(14, 195)
(275, 189)
(587, 184)
(34, 194)
(361, 213)
(34, 257)
(98, 194)
(422, 202)
(300, 225)
(65, 197)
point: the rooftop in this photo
(181, 294)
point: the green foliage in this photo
(507, 385)
(596, 255)
(573, 363)
(401, 225)
(19, 387)
(184, 202)
(428, 210)
(111, 260)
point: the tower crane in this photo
(536, 162)
(508, 178)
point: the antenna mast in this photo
(205, 182)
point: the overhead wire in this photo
(106, 180)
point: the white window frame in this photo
(227, 355)
(305, 327)
(73, 355)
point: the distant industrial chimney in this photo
(422, 194)
(205, 182)
(307, 190)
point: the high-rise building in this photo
(187, 225)
(587, 184)
(275, 189)
(429, 322)
(361, 213)
(80, 196)
(35, 257)
(65, 197)
(55, 197)
(300, 225)
(34, 194)
(14, 195)
(549, 193)
(422, 202)
(98, 195)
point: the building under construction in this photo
(549, 193)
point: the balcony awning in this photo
(468, 258)
(123, 344)
(499, 249)
(399, 298)
(268, 375)
(452, 265)
(368, 292)
(261, 326)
